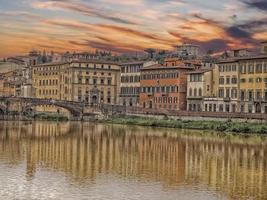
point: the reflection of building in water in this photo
(237, 170)
(102, 150)
(85, 151)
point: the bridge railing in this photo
(120, 109)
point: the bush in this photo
(227, 126)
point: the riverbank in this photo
(220, 126)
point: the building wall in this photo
(195, 90)
(95, 82)
(84, 81)
(253, 85)
(164, 88)
(228, 87)
(130, 83)
(26, 91)
(172, 62)
(46, 81)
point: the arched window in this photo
(190, 92)
(195, 92)
(200, 92)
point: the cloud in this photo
(83, 8)
(259, 4)
(246, 31)
(131, 25)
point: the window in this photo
(214, 107)
(242, 95)
(227, 108)
(200, 92)
(242, 80)
(259, 68)
(221, 108)
(251, 69)
(227, 92)
(190, 92)
(234, 93)
(258, 95)
(95, 81)
(242, 109)
(109, 81)
(234, 80)
(233, 68)
(250, 108)
(195, 92)
(258, 80)
(250, 95)
(227, 80)
(221, 92)
(221, 81)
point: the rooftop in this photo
(200, 71)
(162, 67)
(230, 60)
(133, 63)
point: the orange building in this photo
(177, 61)
(164, 87)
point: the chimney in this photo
(264, 47)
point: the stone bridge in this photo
(26, 106)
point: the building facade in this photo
(46, 80)
(200, 85)
(253, 84)
(83, 81)
(93, 82)
(237, 85)
(164, 87)
(228, 89)
(130, 83)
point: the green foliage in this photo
(228, 126)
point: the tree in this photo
(150, 52)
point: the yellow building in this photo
(253, 84)
(46, 84)
(46, 80)
(202, 90)
(239, 86)
(10, 83)
(90, 81)
(228, 98)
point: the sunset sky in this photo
(129, 25)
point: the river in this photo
(74, 160)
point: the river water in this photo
(48, 160)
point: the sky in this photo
(128, 26)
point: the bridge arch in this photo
(75, 110)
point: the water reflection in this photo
(175, 160)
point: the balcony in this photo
(195, 97)
(226, 99)
(258, 100)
